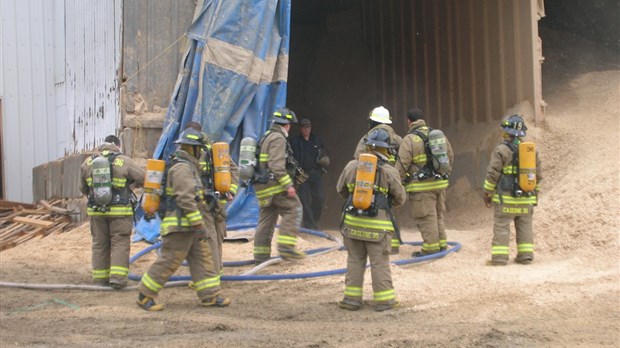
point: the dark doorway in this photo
(331, 82)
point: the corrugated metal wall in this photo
(29, 132)
(458, 60)
(153, 46)
(60, 62)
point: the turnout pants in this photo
(523, 218)
(176, 247)
(289, 208)
(312, 197)
(428, 209)
(358, 251)
(110, 248)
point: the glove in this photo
(201, 233)
(487, 200)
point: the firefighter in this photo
(215, 215)
(427, 193)
(367, 233)
(109, 206)
(275, 191)
(379, 117)
(511, 204)
(183, 231)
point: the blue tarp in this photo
(232, 77)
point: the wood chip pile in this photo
(20, 222)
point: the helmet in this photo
(514, 125)
(380, 115)
(284, 116)
(190, 136)
(378, 138)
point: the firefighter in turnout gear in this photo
(501, 188)
(380, 118)
(426, 190)
(183, 231)
(275, 192)
(215, 214)
(110, 210)
(367, 233)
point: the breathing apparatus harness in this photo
(381, 200)
(119, 196)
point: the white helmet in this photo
(380, 115)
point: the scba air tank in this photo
(439, 150)
(364, 181)
(221, 167)
(247, 158)
(102, 181)
(527, 166)
(152, 185)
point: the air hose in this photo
(247, 276)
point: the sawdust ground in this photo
(568, 297)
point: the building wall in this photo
(458, 60)
(59, 84)
(154, 42)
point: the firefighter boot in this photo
(148, 304)
(497, 263)
(291, 253)
(387, 306)
(215, 301)
(350, 305)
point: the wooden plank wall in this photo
(150, 27)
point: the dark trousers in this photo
(312, 197)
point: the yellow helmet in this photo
(380, 115)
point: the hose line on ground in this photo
(247, 276)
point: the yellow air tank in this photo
(152, 185)
(364, 181)
(221, 167)
(527, 166)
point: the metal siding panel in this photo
(70, 78)
(80, 121)
(25, 83)
(91, 125)
(118, 59)
(61, 124)
(10, 74)
(48, 66)
(99, 69)
(39, 85)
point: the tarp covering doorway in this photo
(233, 76)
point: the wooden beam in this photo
(35, 222)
